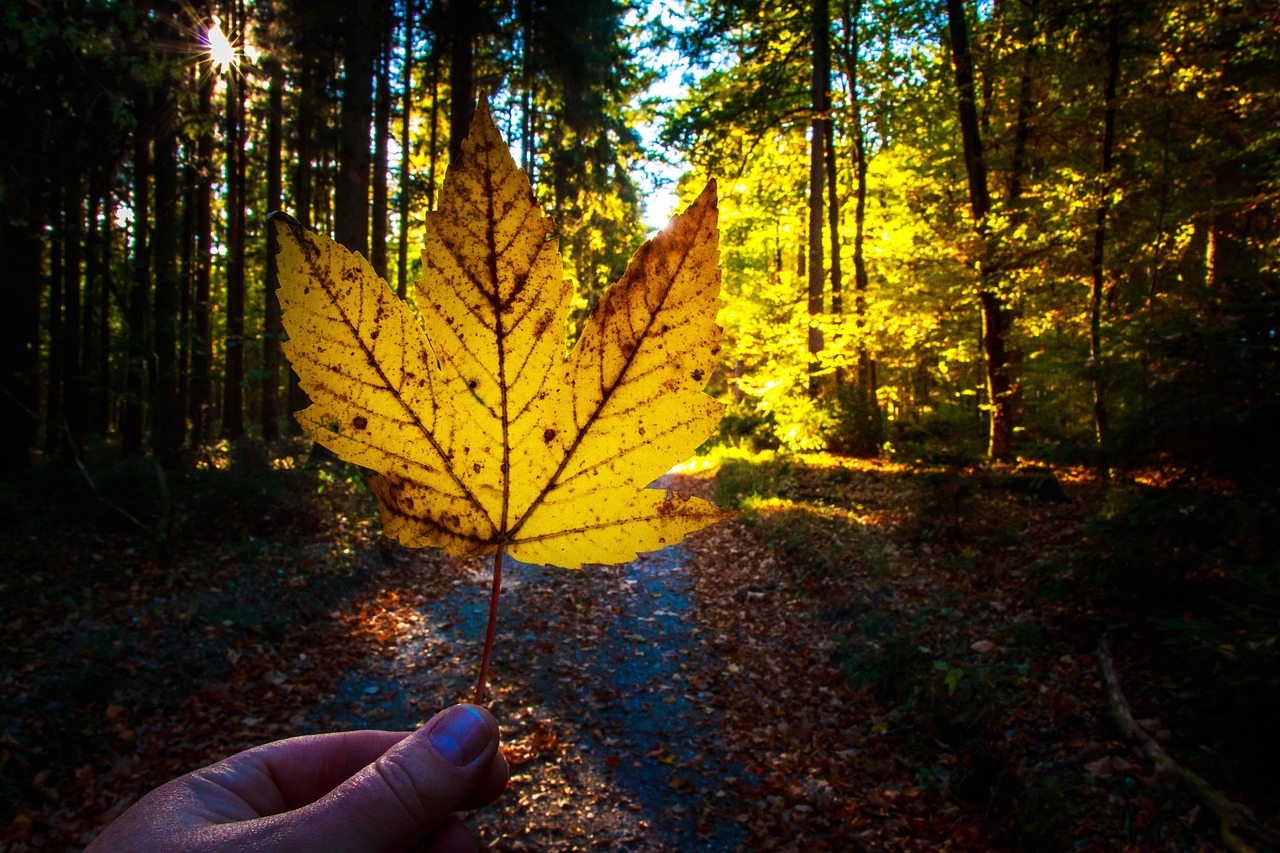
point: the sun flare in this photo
(222, 53)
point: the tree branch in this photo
(1230, 815)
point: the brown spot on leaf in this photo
(698, 374)
(360, 422)
(549, 435)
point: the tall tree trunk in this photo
(168, 419)
(433, 141)
(526, 86)
(233, 383)
(462, 92)
(1098, 257)
(351, 199)
(303, 191)
(991, 306)
(820, 83)
(133, 417)
(102, 367)
(54, 434)
(870, 424)
(201, 388)
(186, 279)
(833, 218)
(381, 134)
(73, 362)
(406, 152)
(89, 317)
(21, 246)
(272, 330)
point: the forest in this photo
(1000, 295)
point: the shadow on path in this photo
(596, 684)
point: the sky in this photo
(657, 179)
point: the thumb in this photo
(407, 793)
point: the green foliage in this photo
(739, 480)
(745, 425)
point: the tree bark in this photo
(73, 361)
(303, 191)
(21, 246)
(233, 383)
(102, 366)
(870, 425)
(1097, 260)
(168, 420)
(833, 219)
(526, 86)
(433, 140)
(53, 427)
(351, 196)
(820, 101)
(999, 388)
(381, 140)
(462, 92)
(132, 419)
(186, 279)
(89, 317)
(406, 151)
(273, 329)
(201, 385)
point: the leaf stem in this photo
(493, 622)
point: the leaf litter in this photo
(644, 707)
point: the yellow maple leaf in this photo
(484, 433)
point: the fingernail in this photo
(461, 735)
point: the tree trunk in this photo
(303, 191)
(53, 427)
(870, 424)
(272, 330)
(833, 219)
(233, 383)
(406, 151)
(186, 277)
(999, 388)
(89, 317)
(21, 247)
(132, 420)
(462, 92)
(102, 367)
(433, 141)
(73, 363)
(201, 386)
(351, 197)
(820, 83)
(526, 86)
(381, 134)
(1098, 257)
(168, 420)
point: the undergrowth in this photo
(1190, 568)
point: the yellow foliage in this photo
(483, 432)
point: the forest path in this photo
(595, 683)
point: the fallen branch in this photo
(1230, 815)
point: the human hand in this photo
(352, 791)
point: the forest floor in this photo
(870, 656)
